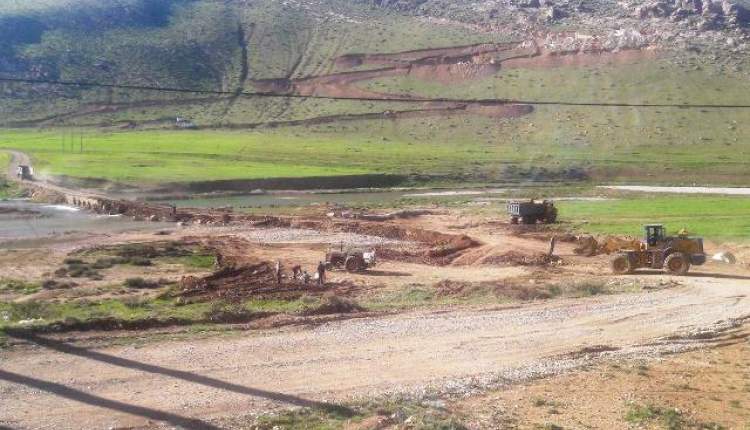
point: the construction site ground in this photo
(436, 323)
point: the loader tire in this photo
(621, 265)
(528, 220)
(354, 264)
(551, 217)
(677, 264)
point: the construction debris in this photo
(725, 257)
(390, 216)
(514, 258)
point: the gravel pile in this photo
(289, 235)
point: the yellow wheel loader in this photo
(675, 254)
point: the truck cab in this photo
(25, 173)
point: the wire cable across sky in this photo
(385, 98)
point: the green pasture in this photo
(713, 217)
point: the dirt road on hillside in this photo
(17, 159)
(176, 381)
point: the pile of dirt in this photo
(369, 216)
(514, 289)
(432, 247)
(441, 255)
(231, 283)
(255, 280)
(514, 258)
(453, 246)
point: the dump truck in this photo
(531, 212)
(675, 254)
(353, 260)
(25, 173)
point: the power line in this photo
(386, 98)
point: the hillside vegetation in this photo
(298, 47)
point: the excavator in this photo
(675, 254)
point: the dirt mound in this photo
(499, 111)
(513, 289)
(433, 247)
(257, 280)
(231, 283)
(514, 258)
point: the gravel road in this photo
(732, 191)
(57, 386)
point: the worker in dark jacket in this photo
(321, 274)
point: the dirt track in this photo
(211, 378)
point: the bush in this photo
(18, 286)
(223, 312)
(140, 284)
(83, 271)
(73, 261)
(51, 284)
(333, 304)
(140, 261)
(138, 250)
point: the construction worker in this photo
(683, 233)
(297, 272)
(306, 277)
(321, 274)
(552, 243)
(278, 271)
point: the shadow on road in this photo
(695, 275)
(150, 368)
(80, 396)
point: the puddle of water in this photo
(22, 220)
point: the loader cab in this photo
(655, 234)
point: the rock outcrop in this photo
(706, 15)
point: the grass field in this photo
(716, 218)
(665, 146)
(471, 148)
(6, 188)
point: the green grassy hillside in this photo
(233, 46)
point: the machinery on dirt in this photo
(675, 254)
(25, 173)
(352, 260)
(531, 212)
(589, 246)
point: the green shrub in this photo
(73, 261)
(140, 283)
(140, 261)
(16, 286)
